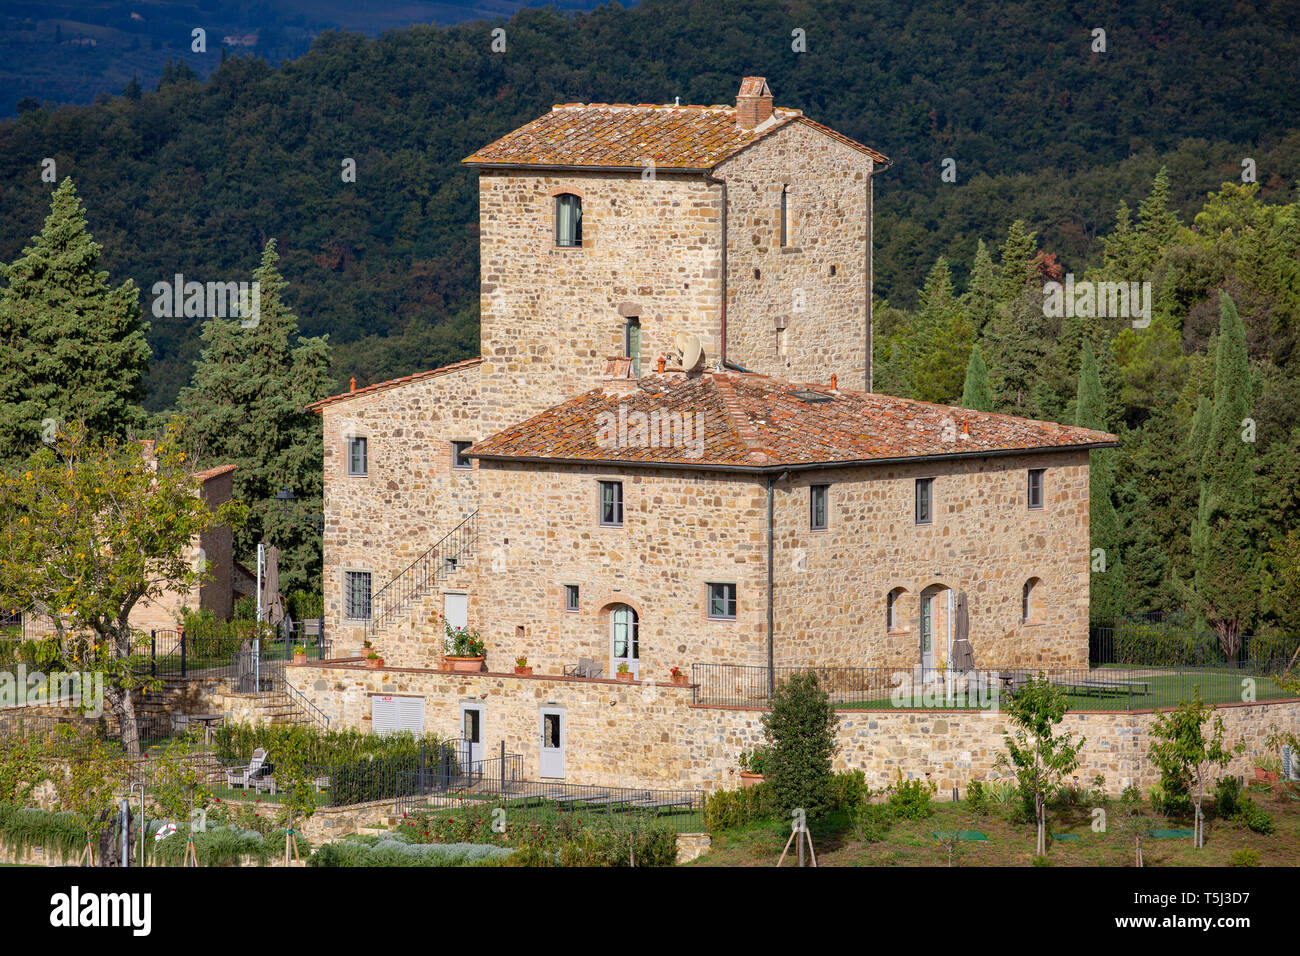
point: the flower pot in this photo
(375, 662)
(299, 658)
(626, 676)
(524, 671)
(1268, 776)
(681, 680)
(445, 666)
(466, 664)
(750, 779)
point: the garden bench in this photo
(240, 776)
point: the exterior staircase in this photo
(409, 589)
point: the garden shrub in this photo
(849, 790)
(1254, 817)
(872, 821)
(801, 726)
(397, 851)
(725, 809)
(1244, 857)
(1227, 797)
(911, 799)
(644, 846)
(977, 798)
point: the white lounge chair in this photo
(242, 776)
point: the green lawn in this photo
(912, 843)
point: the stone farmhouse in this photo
(668, 455)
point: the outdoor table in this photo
(207, 720)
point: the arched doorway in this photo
(935, 630)
(624, 639)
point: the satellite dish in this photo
(691, 349)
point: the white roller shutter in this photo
(394, 714)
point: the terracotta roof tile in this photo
(673, 137)
(722, 420)
(393, 383)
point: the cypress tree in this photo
(942, 337)
(981, 298)
(1107, 577)
(1016, 265)
(246, 407)
(71, 346)
(1225, 553)
(976, 394)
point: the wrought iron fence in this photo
(1086, 688)
(1170, 641)
(254, 664)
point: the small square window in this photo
(611, 504)
(924, 500)
(570, 597)
(1035, 488)
(722, 601)
(818, 507)
(458, 459)
(358, 463)
(356, 595)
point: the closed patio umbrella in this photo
(272, 603)
(963, 655)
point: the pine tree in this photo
(72, 348)
(981, 298)
(1015, 269)
(1225, 550)
(246, 407)
(1015, 350)
(942, 339)
(1120, 249)
(1157, 227)
(976, 394)
(1107, 578)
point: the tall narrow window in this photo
(924, 500)
(611, 504)
(818, 496)
(785, 215)
(568, 220)
(1029, 601)
(1035, 488)
(722, 601)
(571, 597)
(356, 595)
(632, 343)
(893, 620)
(358, 464)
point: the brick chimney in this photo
(753, 102)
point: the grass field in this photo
(911, 843)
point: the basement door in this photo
(471, 730)
(552, 749)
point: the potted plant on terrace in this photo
(624, 673)
(300, 654)
(679, 676)
(463, 647)
(374, 660)
(522, 668)
(752, 764)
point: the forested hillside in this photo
(194, 177)
(1170, 160)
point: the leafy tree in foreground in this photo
(95, 771)
(1041, 759)
(801, 726)
(71, 346)
(1185, 754)
(87, 531)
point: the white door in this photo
(455, 608)
(471, 729)
(552, 750)
(624, 639)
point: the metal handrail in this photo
(296, 697)
(421, 575)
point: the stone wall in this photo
(540, 531)
(411, 496)
(832, 586)
(817, 282)
(651, 248)
(650, 735)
